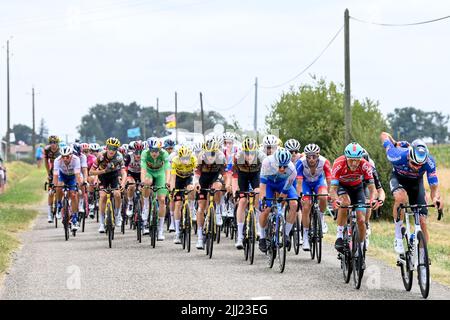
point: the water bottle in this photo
(411, 238)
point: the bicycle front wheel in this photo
(319, 236)
(211, 231)
(66, 219)
(252, 238)
(296, 236)
(357, 259)
(405, 265)
(423, 266)
(281, 244)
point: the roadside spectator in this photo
(39, 155)
(2, 176)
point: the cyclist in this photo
(51, 152)
(247, 166)
(94, 149)
(211, 164)
(270, 144)
(278, 174)
(197, 148)
(169, 146)
(293, 146)
(155, 170)
(381, 195)
(67, 171)
(77, 150)
(410, 162)
(108, 166)
(133, 167)
(348, 173)
(313, 176)
(229, 150)
(183, 166)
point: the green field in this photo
(441, 154)
(24, 190)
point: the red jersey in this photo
(341, 174)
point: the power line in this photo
(233, 105)
(308, 66)
(399, 24)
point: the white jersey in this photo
(70, 169)
(83, 160)
(270, 173)
(304, 171)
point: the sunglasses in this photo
(211, 154)
(53, 142)
(293, 152)
(112, 148)
(249, 153)
(185, 159)
(154, 150)
(311, 157)
(282, 167)
(66, 157)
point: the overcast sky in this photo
(79, 53)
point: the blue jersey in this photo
(271, 175)
(399, 159)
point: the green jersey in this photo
(160, 164)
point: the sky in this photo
(79, 53)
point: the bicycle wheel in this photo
(312, 234)
(271, 251)
(423, 266)
(357, 259)
(86, 208)
(167, 216)
(345, 257)
(319, 236)
(281, 245)
(296, 236)
(245, 240)
(405, 267)
(54, 209)
(123, 212)
(187, 230)
(251, 238)
(211, 231)
(138, 220)
(66, 219)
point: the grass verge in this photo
(24, 190)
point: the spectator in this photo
(40, 155)
(2, 176)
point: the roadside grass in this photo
(25, 189)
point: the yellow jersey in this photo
(184, 170)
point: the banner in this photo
(170, 118)
(134, 132)
(171, 125)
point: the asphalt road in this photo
(48, 267)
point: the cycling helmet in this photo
(145, 145)
(282, 157)
(94, 147)
(122, 150)
(211, 145)
(270, 140)
(184, 152)
(353, 151)
(84, 146)
(62, 144)
(169, 143)
(131, 145)
(219, 139)
(137, 147)
(154, 143)
(311, 149)
(249, 144)
(66, 151)
(365, 155)
(53, 139)
(418, 152)
(280, 142)
(125, 146)
(113, 142)
(228, 136)
(197, 147)
(76, 148)
(292, 145)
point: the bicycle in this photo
(276, 235)
(210, 229)
(154, 215)
(66, 209)
(353, 256)
(186, 219)
(416, 254)
(315, 233)
(229, 221)
(136, 218)
(250, 222)
(109, 214)
(86, 207)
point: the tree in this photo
(22, 133)
(315, 114)
(410, 123)
(43, 132)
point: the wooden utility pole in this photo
(347, 102)
(176, 120)
(201, 113)
(33, 138)
(8, 127)
(255, 120)
(157, 115)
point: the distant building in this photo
(21, 151)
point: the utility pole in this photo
(8, 150)
(255, 120)
(201, 113)
(157, 113)
(33, 138)
(347, 102)
(176, 120)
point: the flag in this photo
(170, 118)
(134, 132)
(171, 125)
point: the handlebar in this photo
(418, 206)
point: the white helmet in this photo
(219, 139)
(270, 140)
(66, 151)
(292, 145)
(197, 147)
(94, 147)
(311, 148)
(229, 136)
